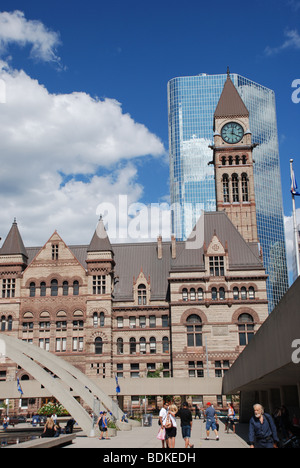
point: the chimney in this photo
(159, 247)
(173, 246)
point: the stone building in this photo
(184, 309)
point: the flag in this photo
(118, 390)
(294, 186)
(19, 387)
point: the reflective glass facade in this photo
(192, 102)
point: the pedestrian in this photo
(197, 412)
(230, 418)
(171, 425)
(211, 417)
(186, 422)
(102, 423)
(162, 419)
(262, 430)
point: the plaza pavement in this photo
(145, 438)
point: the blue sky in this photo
(123, 52)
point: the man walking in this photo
(211, 415)
(162, 421)
(186, 420)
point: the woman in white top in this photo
(171, 425)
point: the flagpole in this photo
(295, 224)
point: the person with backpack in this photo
(102, 423)
(262, 429)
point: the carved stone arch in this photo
(193, 311)
(28, 315)
(32, 280)
(245, 310)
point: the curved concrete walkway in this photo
(145, 438)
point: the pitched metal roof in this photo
(242, 255)
(230, 104)
(100, 241)
(132, 259)
(13, 244)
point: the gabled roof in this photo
(242, 255)
(13, 244)
(230, 103)
(100, 241)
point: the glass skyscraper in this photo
(192, 102)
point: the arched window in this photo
(225, 182)
(243, 294)
(142, 345)
(9, 323)
(165, 344)
(98, 345)
(102, 319)
(132, 346)
(65, 288)
(222, 294)
(3, 323)
(54, 287)
(251, 293)
(43, 289)
(120, 346)
(185, 294)
(200, 294)
(235, 188)
(230, 160)
(95, 319)
(193, 294)
(142, 295)
(32, 289)
(152, 345)
(223, 161)
(237, 160)
(246, 329)
(244, 158)
(214, 294)
(236, 294)
(245, 189)
(194, 331)
(75, 288)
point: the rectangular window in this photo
(8, 288)
(99, 284)
(216, 266)
(54, 251)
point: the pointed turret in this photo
(100, 258)
(230, 104)
(13, 244)
(100, 241)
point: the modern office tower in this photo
(192, 102)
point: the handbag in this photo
(168, 424)
(161, 434)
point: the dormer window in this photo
(216, 266)
(142, 295)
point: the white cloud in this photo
(292, 42)
(44, 137)
(15, 28)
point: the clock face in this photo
(232, 132)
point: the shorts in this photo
(103, 429)
(211, 424)
(186, 432)
(172, 432)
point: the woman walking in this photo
(171, 425)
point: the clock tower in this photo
(233, 162)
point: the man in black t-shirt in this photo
(186, 420)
